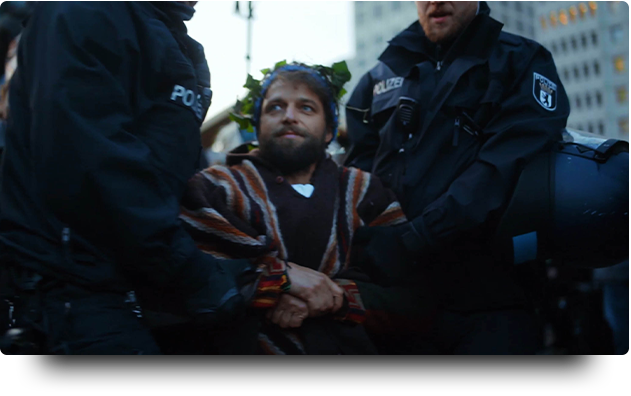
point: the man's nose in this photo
(290, 114)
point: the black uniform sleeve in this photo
(401, 311)
(521, 129)
(379, 206)
(92, 167)
(363, 136)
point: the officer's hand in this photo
(289, 312)
(321, 294)
(380, 252)
(220, 300)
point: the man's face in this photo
(292, 130)
(443, 21)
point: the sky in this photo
(307, 31)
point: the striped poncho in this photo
(248, 210)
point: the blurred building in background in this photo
(518, 17)
(589, 42)
(376, 22)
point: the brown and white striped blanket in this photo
(233, 212)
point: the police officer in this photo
(450, 115)
(103, 134)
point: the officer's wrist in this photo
(411, 238)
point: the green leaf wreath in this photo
(337, 75)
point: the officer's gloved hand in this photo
(224, 293)
(412, 237)
(380, 252)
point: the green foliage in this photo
(337, 75)
(280, 64)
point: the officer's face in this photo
(442, 21)
(292, 130)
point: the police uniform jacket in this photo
(449, 128)
(104, 133)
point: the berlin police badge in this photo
(545, 92)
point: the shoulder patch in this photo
(544, 91)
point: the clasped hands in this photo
(311, 294)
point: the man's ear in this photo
(328, 137)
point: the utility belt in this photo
(23, 322)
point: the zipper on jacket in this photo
(65, 242)
(406, 144)
(439, 63)
(454, 142)
(65, 235)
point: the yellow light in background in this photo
(563, 17)
(543, 22)
(624, 125)
(582, 8)
(618, 63)
(623, 95)
(573, 13)
(553, 18)
(593, 7)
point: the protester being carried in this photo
(287, 205)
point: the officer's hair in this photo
(318, 87)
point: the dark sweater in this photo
(248, 209)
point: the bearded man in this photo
(289, 207)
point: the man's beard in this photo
(286, 155)
(441, 36)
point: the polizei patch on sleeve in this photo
(187, 98)
(545, 92)
(387, 85)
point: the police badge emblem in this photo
(545, 92)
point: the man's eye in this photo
(307, 108)
(274, 107)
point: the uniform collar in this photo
(474, 41)
(174, 13)
(177, 10)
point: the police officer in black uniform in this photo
(103, 134)
(448, 118)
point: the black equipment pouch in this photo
(570, 205)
